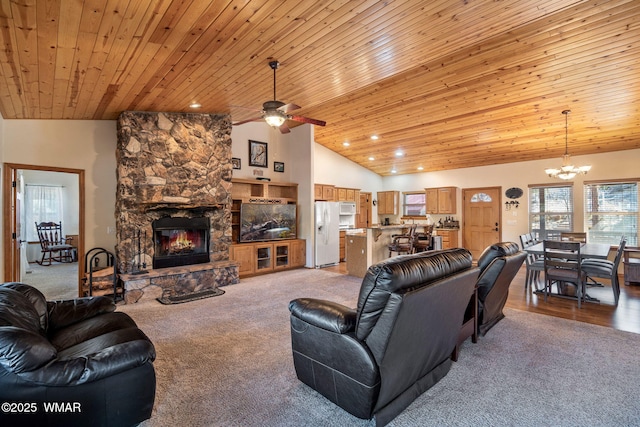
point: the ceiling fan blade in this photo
(308, 120)
(255, 119)
(284, 128)
(289, 107)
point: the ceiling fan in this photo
(275, 113)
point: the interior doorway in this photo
(482, 218)
(363, 218)
(59, 280)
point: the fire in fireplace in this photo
(180, 241)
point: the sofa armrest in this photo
(68, 312)
(107, 362)
(324, 314)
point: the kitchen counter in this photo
(369, 247)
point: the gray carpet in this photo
(57, 281)
(226, 361)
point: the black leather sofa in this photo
(373, 361)
(499, 264)
(71, 363)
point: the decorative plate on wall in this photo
(514, 193)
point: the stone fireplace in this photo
(173, 213)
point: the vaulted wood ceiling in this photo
(452, 84)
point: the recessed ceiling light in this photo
(346, 143)
(374, 137)
(399, 153)
(372, 158)
(195, 105)
(393, 171)
(420, 168)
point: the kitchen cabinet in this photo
(449, 238)
(342, 245)
(441, 200)
(324, 192)
(388, 202)
(347, 194)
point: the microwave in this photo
(347, 208)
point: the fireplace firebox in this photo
(180, 241)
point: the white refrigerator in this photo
(327, 234)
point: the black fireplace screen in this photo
(180, 241)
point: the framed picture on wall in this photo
(278, 166)
(258, 154)
(236, 162)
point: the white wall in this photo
(277, 151)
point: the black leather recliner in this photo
(84, 362)
(377, 359)
(499, 264)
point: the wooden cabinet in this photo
(243, 254)
(324, 192)
(347, 194)
(388, 202)
(266, 257)
(441, 200)
(343, 252)
(449, 238)
(431, 200)
(298, 253)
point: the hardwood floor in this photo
(624, 317)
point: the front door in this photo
(481, 218)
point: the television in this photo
(265, 221)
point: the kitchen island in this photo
(368, 246)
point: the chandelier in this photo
(567, 170)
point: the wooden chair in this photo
(563, 265)
(54, 246)
(403, 243)
(422, 241)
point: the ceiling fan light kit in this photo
(274, 112)
(567, 170)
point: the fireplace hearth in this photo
(180, 241)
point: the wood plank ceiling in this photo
(451, 84)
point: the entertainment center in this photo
(264, 225)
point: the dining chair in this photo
(563, 265)
(606, 269)
(534, 263)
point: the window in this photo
(414, 204)
(42, 203)
(550, 211)
(611, 211)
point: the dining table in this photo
(587, 250)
